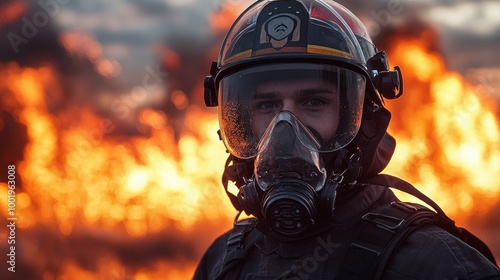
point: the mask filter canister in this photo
(288, 170)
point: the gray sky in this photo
(129, 31)
(468, 28)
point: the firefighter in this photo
(299, 87)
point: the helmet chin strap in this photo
(344, 166)
(345, 162)
(239, 171)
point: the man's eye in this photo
(315, 102)
(266, 105)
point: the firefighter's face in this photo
(314, 103)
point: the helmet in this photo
(290, 40)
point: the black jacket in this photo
(428, 253)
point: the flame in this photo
(79, 177)
(447, 134)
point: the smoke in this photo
(468, 31)
(43, 250)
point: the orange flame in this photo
(448, 135)
(139, 167)
(73, 177)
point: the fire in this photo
(448, 135)
(76, 180)
(135, 167)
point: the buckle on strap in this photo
(236, 238)
(235, 246)
(384, 221)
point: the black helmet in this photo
(318, 39)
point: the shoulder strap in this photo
(442, 220)
(239, 243)
(385, 180)
(384, 229)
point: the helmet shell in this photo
(294, 30)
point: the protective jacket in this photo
(429, 252)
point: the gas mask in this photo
(288, 176)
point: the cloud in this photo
(476, 18)
(468, 30)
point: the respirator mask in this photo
(289, 173)
(289, 185)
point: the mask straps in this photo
(233, 172)
(344, 165)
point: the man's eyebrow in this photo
(306, 91)
(265, 94)
(318, 89)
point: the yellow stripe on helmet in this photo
(310, 49)
(327, 50)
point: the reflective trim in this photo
(245, 54)
(326, 50)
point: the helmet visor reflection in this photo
(326, 99)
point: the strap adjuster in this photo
(384, 221)
(236, 238)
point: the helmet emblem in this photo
(280, 29)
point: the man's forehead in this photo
(296, 85)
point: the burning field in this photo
(128, 187)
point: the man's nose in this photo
(290, 106)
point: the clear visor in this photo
(326, 99)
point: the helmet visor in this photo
(326, 99)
